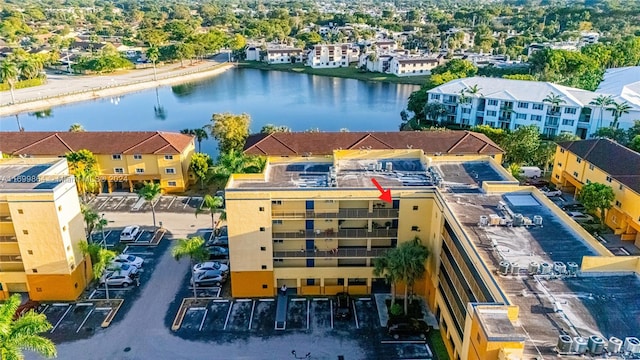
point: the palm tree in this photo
(213, 204)
(153, 54)
(22, 333)
(235, 162)
(194, 249)
(9, 73)
(149, 192)
(617, 110)
(75, 127)
(407, 261)
(29, 68)
(382, 268)
(199, 133)
(601, 102)
(91, 218)
(555, 101)
(101, 260)
(474, 90)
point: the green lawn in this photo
(437, 345)
(350, 72)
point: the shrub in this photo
(23, 84)
(396, 310)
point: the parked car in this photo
(217, 252)
(130, 233)
(539, 183)
(129, 260)
(343, 306)
(581, 217)
(116, 279)
(26, 307)
(208, 278)
(210, 265)
(550, 192)
(124, 269)
(219, 241)
(574, 207)
(408, 327)
(533, 172)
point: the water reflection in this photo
(299, 101)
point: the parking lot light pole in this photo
(102, 223)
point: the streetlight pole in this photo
(102, 221)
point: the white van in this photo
(130, 233)
(530, 172)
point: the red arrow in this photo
(386, 194)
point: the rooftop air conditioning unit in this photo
(565, 343)
(632, 345)
(615, 345)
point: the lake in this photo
(299, 101)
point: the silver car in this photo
(210, 265)
(208, 278)
(116, 279)
(129, 260)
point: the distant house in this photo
(383, 46)
(283, 55)
(86, 46)
(413, 66)
(252, 53)
(329, 56)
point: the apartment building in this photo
(412, 66)
(283, 54)
(329, 56)
(509, 104)
(125, 159)
(40, 229)
(313, 221)
(577, 163)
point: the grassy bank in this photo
(350, 72)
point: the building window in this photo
(64, 228)
(20, 211)
(139, 171)
(567, 122)
(558, 177)
(35, 271)
(492, 102)
(415, 228)
(434, 96)
(570, 110)
(118, 170)
(559, 164)
(537, 106)
(521, 116)
(276, 222)
(279, 241)
(30, 252)
(261, 208)
(172, 183)
(59, 207)
(491, 113)
(264, 267)
(116, 156)
(137, 157)
(578, 160)
(168, 157)
(591, 166)
(276, 202)
(588, 181)
(262, 228)
(169, 171)
(264, 286)
(466, 111)
(575, 174)
(523, 105)
(608, 178)
(536, 118)
(38, 289)
(263, 248)
(561, 151)
(618, 203)
(415, 207)
(25, 232)
(621, 187)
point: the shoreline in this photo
(97, 93)
(343, 73)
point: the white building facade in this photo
(412, 66)
(329, 56)
(510, 104)
(283, 55)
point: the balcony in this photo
(5, 218)
(553, 112)
(341, 214)
(338, 253)
(342, 233)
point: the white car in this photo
(122, 269)
(551, 193)
(130, 233)
(115, 279)
(210, 265)
(129, 260)
(580, 217)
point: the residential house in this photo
(283, 54)
(413, 65)
(329, 56)
(125, 159)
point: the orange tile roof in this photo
(98, 142)
(323, 143)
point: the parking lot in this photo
(133, 203)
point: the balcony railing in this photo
(336, 253)
(341, 214)
(553, 113)
(342, 233)
(5, 218)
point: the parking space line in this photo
(45, 309)
(266, 300)
(299, 299)
(320, 299)
(206, 311)
(125, 249)
(308, 306)
(364, 299)
(253, 307)
(84, 321)
(171, 202)
(59, 321)
(403, 342)
(331, 309)
(228, 314)
(243, 300)
(93, 293)
(222, 300)
(120, 203)
(219, 291)
(145, 253)
(186, 203)
(355, 313)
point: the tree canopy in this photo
(231, 130)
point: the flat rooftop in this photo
(27, 174)
(390, 173)
(582, 305)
